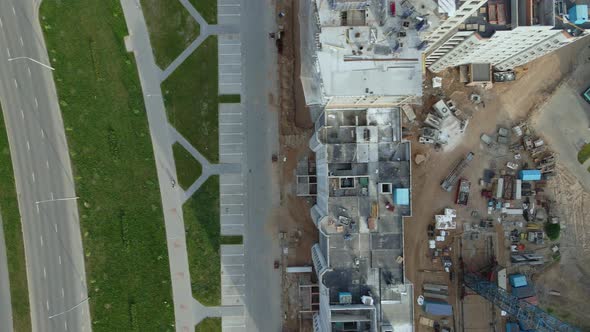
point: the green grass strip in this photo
(201, 221)
(13, 236)
(113, 161)
(207, 9)
(171, 28)
(229, 99)
(584, 153)
(188, 168)
(209, 324)
(192, 102)
(232, 239)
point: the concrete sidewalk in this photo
(172, 196)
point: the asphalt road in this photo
(53, 247)
(260, 80)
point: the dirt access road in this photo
(505, 103)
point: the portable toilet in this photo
(401, 196)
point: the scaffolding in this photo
(529, 316)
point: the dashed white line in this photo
(22, 43)
(63, 293)
(28, 146)
(41, 238)
(42, 133)
(44, 273)
(36, 103)
(29, 70)
(229, 14)
(232, 154)
(15, 83)
(33, 176)
(230, 74)
(230, 123)
(47, 304)
(233, 184)
(232, 214)
(55, 227)
(13, 11)
(239, 143)
(66, 324)
(47, 163)
(1, 24)
(22, 114)
(51, 194)
(242, 194)
(59, 258)
(8, 51)
(37, 208)
(230, 83)
(232, 204)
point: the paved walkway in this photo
(172, 197)
(208, 169)
(206, 30)
(187, 311)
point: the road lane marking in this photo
(59, 258)
(51, 194)
(8, 51)
(42, 133)
(232, 214)
(47, 164)
(33, 175)
(28, 146)
(230, 123)
(55, 226)
(15, 83)
(47, 304)
(44, 273)
(36, 103)
(63, 294)
(66, 324)
(13, 11)
(37, 208)
(1, 24)
(239, 143)
(22, 43)
(233, 184)
(232, 204)
(22, 114)
(29, 70)
(41, 238)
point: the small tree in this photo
(552, 231)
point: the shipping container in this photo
(438, 308)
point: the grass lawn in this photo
(209, 325)
(171, 28)
(201, 221)
(192, 101)
(13, 236)
(232, 239)
(229, 98)
(188, 168)
(207, 9)
(584, 153)
(113, 161)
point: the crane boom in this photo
(530, 316)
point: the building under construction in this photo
(363, 192)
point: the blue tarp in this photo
(578, 14)
(401, 196)
(438, 308)
(530, 175)
(517, 280)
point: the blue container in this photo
(517, 280)
(530, 175)
(436, 308)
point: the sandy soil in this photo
(504, 104)
(294, 132)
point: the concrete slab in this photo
(232, 271)
(232, 199)
(233, 280)
(232, 229)
(232, 291)
(232, 250)
(232, 260)
(231, 158)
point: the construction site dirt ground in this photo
(505, 104)
(295, 129)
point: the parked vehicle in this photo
(512, 165)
